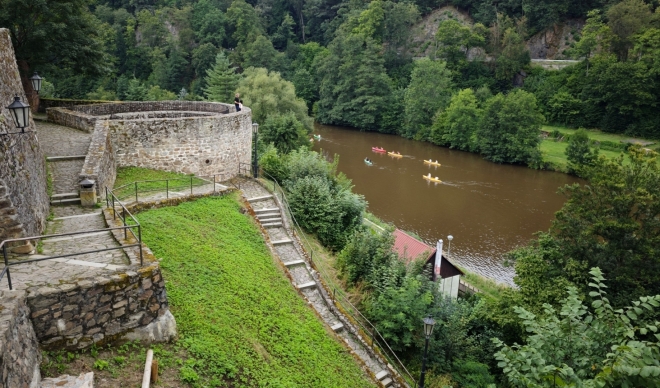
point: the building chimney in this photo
(438, 260)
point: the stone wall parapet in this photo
(100, 163)
(19, 350)
(128, 305)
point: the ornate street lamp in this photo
(255, 160)
(450, 237)
(428, 330)
(36, 82)
(20, 112)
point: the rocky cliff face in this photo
(552, 43)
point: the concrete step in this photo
(257, 199)
(62, 202)
(271, 221)
(294, 262)
(387, 382)
(281, 242)
(306, 285)
(64, 196)
(272, 225)
(337, 326)
(67, 157)
(85, 380)
(382, 374)
(267, 210)
(263, 217)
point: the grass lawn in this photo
(555, 152)
(600, 135)
(127, 175)
(238, 316)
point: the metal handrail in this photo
(190, 183)
(326, 278)
(3, 246)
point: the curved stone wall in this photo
(201, 138)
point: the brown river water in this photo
(489, 208)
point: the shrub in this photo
(364, 253)
(273, 164)
(285, 131)
(472, 374)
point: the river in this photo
(489, 208)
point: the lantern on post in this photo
(429, 323)
(20, 112)
(36, 82)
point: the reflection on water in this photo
(489, 208)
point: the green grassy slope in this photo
(237, 313)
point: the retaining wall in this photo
(24, 202)
(19, 350)
(100, 164)
(130, 305)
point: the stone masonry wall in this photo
(131, 305)
(100, 160)
(19, 350)
(200, 145)
(24, 210)
(71, 119)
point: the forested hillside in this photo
(351, 61)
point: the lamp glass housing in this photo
(255, 127)
(429, 323)
(36, 82)
(20, 112)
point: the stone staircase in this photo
(304, 278)
(65, 199)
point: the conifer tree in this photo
(221, 80)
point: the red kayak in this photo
(377, 149)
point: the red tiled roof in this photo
(409, 248)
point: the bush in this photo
(274, 164)
(364, 253)
(303, 163)
(285, 131)
(472, 374)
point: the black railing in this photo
(5, 243)
(132, 191)
(339, 296)
(124, 214)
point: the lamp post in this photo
(255, 160)
(20, 112)
(36, 82)
(450, 237)
(428, 330)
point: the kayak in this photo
(378, 149)
(317, 137)
(395, 154)
(368, 163)
(432, 179)
(432, 163)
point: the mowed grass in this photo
(237, 313)
(127, 176)
(555, 152)
(598, 135)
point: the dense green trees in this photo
(581, 347)
(579, 153)
(221, 80)
(285, 131)
(456, 126)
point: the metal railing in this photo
(127, 226)
(132, 191)
(124, 215)
(339, 296)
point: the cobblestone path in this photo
(62, 141)
(304, 277)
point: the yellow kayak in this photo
(432, 179)
(432, 163)
(398, 155)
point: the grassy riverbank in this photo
(238, 316)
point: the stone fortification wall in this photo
(198, 145)
(100, 163)
(24, 204)
(130, 305)
(19, 350)
(45, 103)
(202, 138)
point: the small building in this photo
(444, 272)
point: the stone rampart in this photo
(19, 350)
(45, 103)
(129, 305)
(100, 163)
(25, 205)
(201, 138)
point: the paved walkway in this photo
(287, 248)
(62, 141)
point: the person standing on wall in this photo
(237, 102)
